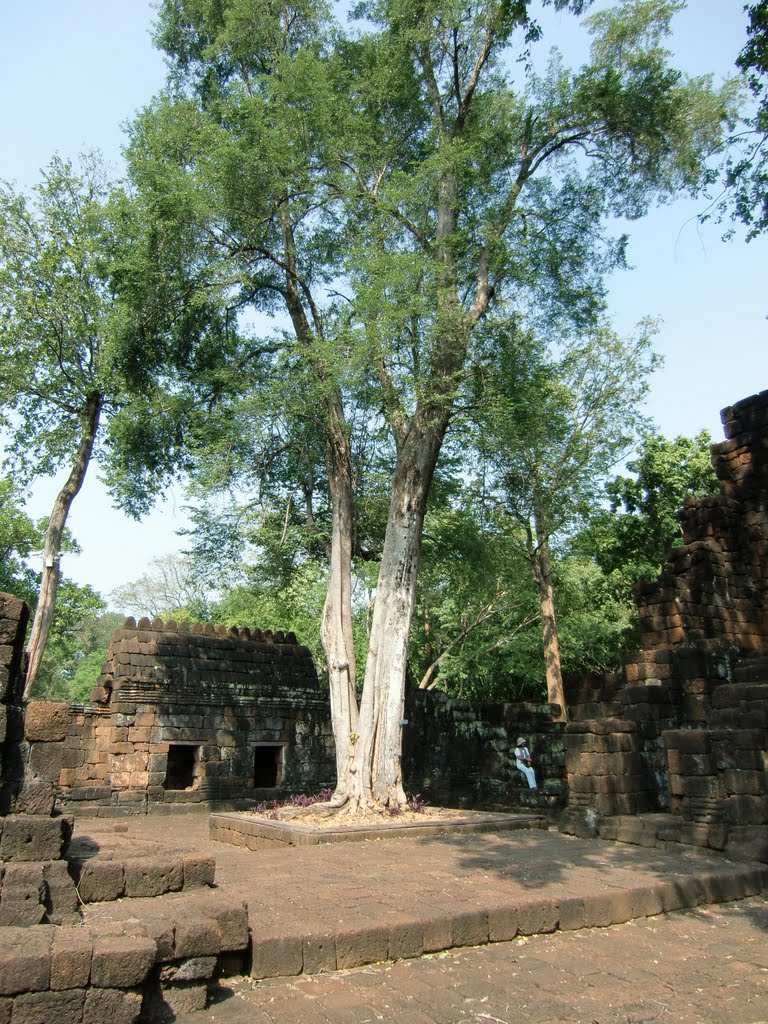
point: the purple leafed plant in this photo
(413, 803)
(269, 808)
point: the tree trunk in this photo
(49, 585)
(336, 627)
(542, 574)
(378, 775)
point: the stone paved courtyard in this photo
(702, 966)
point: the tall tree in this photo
(552, 427)
(386, 187)
(55, 303)
(77, 376)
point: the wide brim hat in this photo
(521, 739)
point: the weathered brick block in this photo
(71, 954)
(49, 1007)
(745, 810)
(469, 928)
(112, 1006)
(151, 876)
(231, 917)
(198, 870)
(25, 959)
(276, 956)
(197, 935)
(121, 961)
(46, 721)
(30, 838)
(687, 741)
(99, 881)
(61, 894)
(744, 783)
(46, 761)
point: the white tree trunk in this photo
(336, 627)
(378, 767)
(49, 584)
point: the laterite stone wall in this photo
(684, 729)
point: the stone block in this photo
(689, 741)
(121, 961)
(37, 798)
(49, 1007)
(23, 895)
(357, 945)
(161, 930)
(195, 968)
(405, 937)
(61, 895)
(31, 838)
(502, 924)
(100, 881)
(183, 998)
(469, 928)
(646, 902)
(572, 913)
(151, 876)
(745, 810)
(231, 917)
(277, 956)
(608, 908)
(46, 721)
(196, 935)
(536, 917)
(71, 954)
(111, 1006)
(704, 787)
(319, 953)
(25, 959)
(437, 934)
(198, 870)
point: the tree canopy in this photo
(383, 188)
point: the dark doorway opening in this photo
(182, 761)
(267, 764)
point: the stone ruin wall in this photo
(225, 694)
(714, 588)
(683, 730)
(14, 616)
(234, 704)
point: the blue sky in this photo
(73, 73)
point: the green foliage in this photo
(747, 168)
(294, 605)
(552, 425)
(631, 540)
(86, 673)
(19, 536)
(81, 626)
(55, 310)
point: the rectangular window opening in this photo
(267, 765)
(181, 771)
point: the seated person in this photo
(524, 763)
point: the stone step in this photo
(99, 879)
(143, 958)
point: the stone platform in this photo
(248, 829)
(323, 908)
